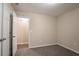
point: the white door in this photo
(5, 12)
(6, 18)
(4, 30)
(0, 27)
(14, 33)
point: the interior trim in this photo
(41, 45)
(68, 48)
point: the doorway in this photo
(22, 33)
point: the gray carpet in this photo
(54, 50)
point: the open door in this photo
(5, 34)
(0, 29)
(4, 29)
(8, 35)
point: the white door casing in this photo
(14, 33)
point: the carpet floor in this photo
(54, 50)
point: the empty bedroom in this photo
(53, 28)
(39, 29)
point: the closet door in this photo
(0, 29)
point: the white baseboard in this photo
(41, 46)
(22, 43)
(68, 48)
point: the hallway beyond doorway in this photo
(20, 46)
(22, 33)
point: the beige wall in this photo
(22, 37)
(68, 30)
(42, 29)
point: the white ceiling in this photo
(53, 9)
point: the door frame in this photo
(11, 34)
(28, 33)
